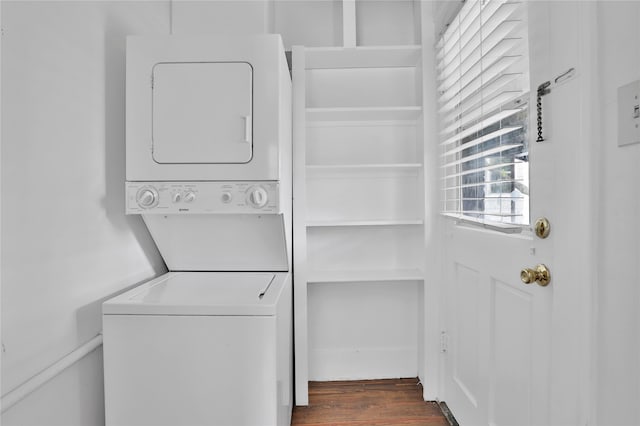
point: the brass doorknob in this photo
(540, 274)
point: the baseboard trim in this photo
(447, 413)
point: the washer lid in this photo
(202, 293)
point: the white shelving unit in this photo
(358, 213)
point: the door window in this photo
(483, 85)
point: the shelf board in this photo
(400, 113)
(355, 167)
(362, 170)
(365, 275)
(363, 57)
(384, 222)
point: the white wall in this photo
(310, 23)
(66, 244)
(618, 298)
(318, 23)
(221, 16)
(380, 23)
(300, 22)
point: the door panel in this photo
(512, 328)
(202, 112)
(465, 367)
(499, 331)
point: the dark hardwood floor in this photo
(368, 402)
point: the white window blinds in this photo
(483, 86)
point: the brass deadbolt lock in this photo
(540, 274)
(542, 227)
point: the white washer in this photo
(184, 334)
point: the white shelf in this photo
(362, 57)
(399, 113)
(333, 167)
(337, 223)
(362, 170)
(368, 275)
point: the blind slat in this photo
(481, 140)
(470, 25)
(501, 115)
(501, 198)
(466, 15)
(486, 153)
(471, 185)
(473, 66)
(493, 71)
(481, 212)
(477, 170)
(497, 27)
(470, 115)
(486, 91)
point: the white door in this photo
(517, 354)
(202, 112)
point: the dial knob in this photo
(176, 197)
(258, 197)
(189, 197)
(226, 197)
(147, 197)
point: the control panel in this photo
(202, 197)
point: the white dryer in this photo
(202, 108)
(208, 166)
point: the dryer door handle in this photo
(248, 128)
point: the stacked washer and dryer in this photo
(208, 166)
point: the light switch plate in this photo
(629, 114)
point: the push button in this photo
(226, 197)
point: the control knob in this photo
(147, 197)
(258, 197)
(189, 197)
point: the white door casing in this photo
(518, 354)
